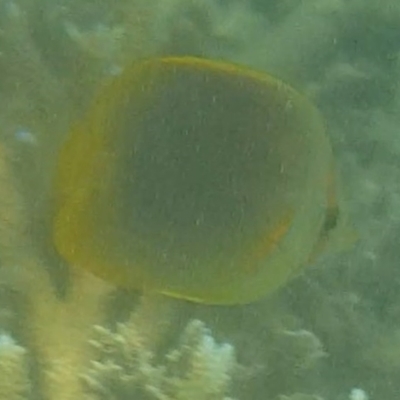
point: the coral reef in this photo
(65, 335)
(197, 369)
(14, 372)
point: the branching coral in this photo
(14, 371)
(197, 369)
(49, 319)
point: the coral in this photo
(61, 345)
(303, 349)
(197, 369)
(14, 371)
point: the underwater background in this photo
(332, 333)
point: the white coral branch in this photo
(199, 368)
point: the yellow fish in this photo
(198, 179)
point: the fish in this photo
(198, 179)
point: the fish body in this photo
(195, 178)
